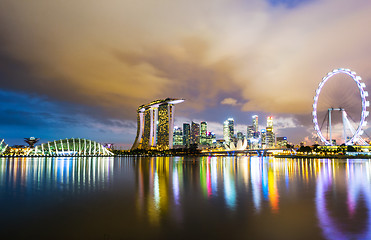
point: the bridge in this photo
(261, 152)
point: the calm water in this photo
(184, 198)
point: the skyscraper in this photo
(250, 132)
(253, 133)
(211, 139)
(270, 122)
(240, 136)
(203, 133)
(263, 138)
(155, 125)
(195, 133)
(177, 137)
(270, 136)
(255, 123)
(228, 130)
(186, 134)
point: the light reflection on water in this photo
(265, 180)
(51, 174)
(306, 199)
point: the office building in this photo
(186, 134)
(263, 136)
(203, 133)
(195, 133)
(255, 123)
(228, 130)
(240, 136)
(177, 137)
(250, 132)
(211, 139)
(270, 135)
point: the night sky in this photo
(81, 68)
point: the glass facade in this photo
(270, 136)
(195, 133)
(177, 137)
(228, 130)
(186, 134)
(203, 133)
(255, 123)
(250, 132)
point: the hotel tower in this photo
(155, 125)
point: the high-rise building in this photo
(155, 125)
(195, 133)
(270, 136)
(263, 136)
(240, 136)
(253, 134)
(250, 132)
(281, 141)
(228, 130)
(255, 123)
(177, 137)
(186, 134)
(203, 133)
(211, 139)
(270, 122)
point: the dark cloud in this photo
(99, 61)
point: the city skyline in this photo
(69, 73)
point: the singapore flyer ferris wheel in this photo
(351, 130)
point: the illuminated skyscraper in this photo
(228, 130)
(211, 139)
(270, 122)
(253, 134)
(270, 136)
(155, 125)
(263, 138)
(250, 132)
(255, 123)
(186, 134)
(195, 133)
(240, 136)
(177, 137)
(203, 133)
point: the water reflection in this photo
(353, 181)
(73, 175)
(164, 184)
(297, 199)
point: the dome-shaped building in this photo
(71, 147)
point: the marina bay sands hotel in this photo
(155, 125)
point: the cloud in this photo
(229, 101)
(286, 122)
(114, 56)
